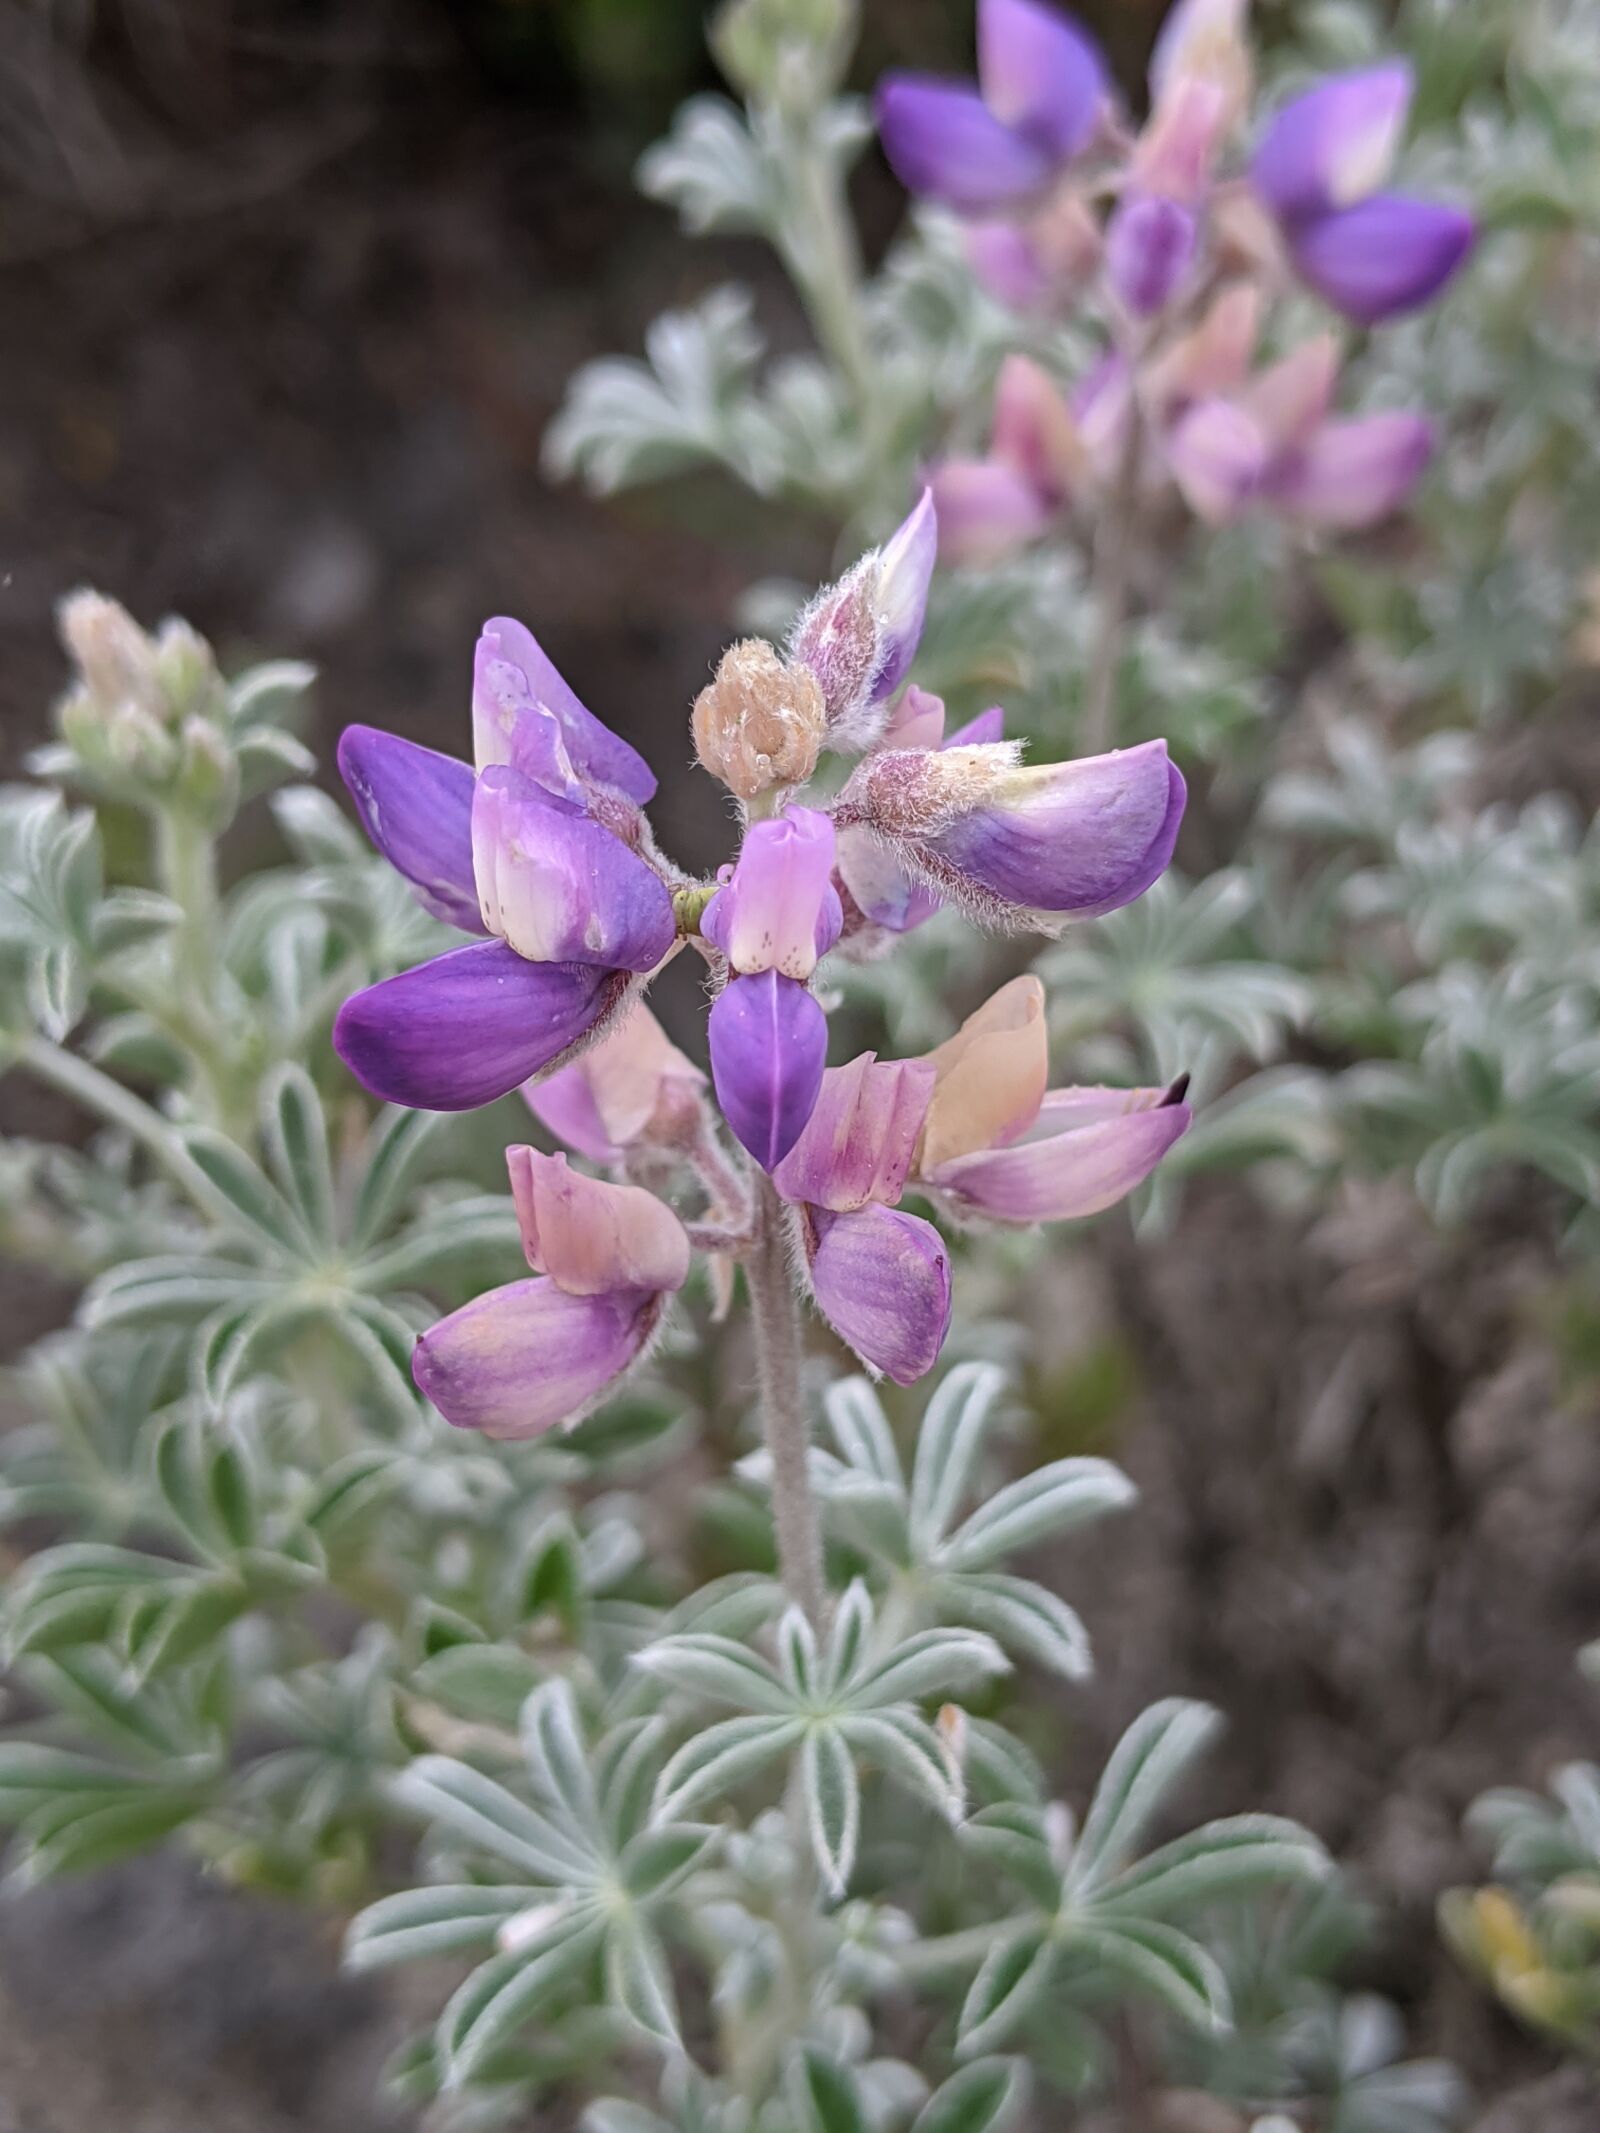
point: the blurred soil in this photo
(285, 311)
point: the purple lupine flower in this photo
(517, 852)
(1371, 255)
(1040, 93)
(858, 1143)
(886, 896)
(881, 1278)
(773, 917)
(1151, 247)
(633, 1084)
(859, 637)
(1016, 846)
(535, 1355)
(998, 1146)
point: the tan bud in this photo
(111, 652)
(760, 723)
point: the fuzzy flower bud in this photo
(760, 723)
(115, 658)
(859, 636)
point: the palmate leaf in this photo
(507, 1992)
(952, 1436)
(1022, 1617)
(1051, 1500)
(1144, 1766)
(832, 1795)
(492, 1819)
(722, 1758)
(1158, 1960)
(1011, 1983)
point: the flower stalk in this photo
(775, 1319)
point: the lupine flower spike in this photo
(542, 850)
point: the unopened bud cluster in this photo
(761, 724)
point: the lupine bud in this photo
(1387, 256)
(859, 637)
(1174, 157)
(761, 723)
(633, 1085)
(114, 656)
(881, 1278)
(557, 887)
(1150, 253)
(778, 910)
(1039, 73)
(525, 1358)
(208, 774)
(1024, 846)
(1204, 41)
(858, 1142)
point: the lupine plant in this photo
(603, 1589)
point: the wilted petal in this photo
(470, 1025)
(986, 510)
(769, 1043)
(780, 911)
(1150, 253)
(1212, 360)
(1218, 458)
(590, 1236)
(1389, 255)
(524, 1359)
(1035, 430)
(1353, 473)
(944, 143)
(1067, 839)
(559, 888)
(1334, 145)
(1040, 73)
(595, 751)
(989, 1077)
(416, 806)
(615, 1088)
(1088, 1149)
(860, 1137)
(1174, 155)
(882, 1281)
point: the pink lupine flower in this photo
(540, 1354)
(633, 1084)
(1000, 1147)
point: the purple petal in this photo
(917, 721)
(944, 143)
(559, 888)
(1351, 474)
(523, 1359)
(879, 885)
(565, 1105)
(859, 1140)
(1007, 263)
(1088, 1149)
(1334, 145)
(1150, 253)
(882, 1281)
(980, 732)
(596, 751)
(1040, 73)
(416, 806)
(859, 636)
(900, 599)
(510, 729)
(769, 1042)
(1390, 255)
(780, 910)
(592, 1237)
(1219, 457)
(469, 1026)
(986, 511)
(1072, 839)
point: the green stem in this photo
(186, 866)
(775, 1317)
(88, 1085)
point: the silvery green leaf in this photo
(485, 1814)
(871, 1515)
(1011, 1982)
(832, 1796)
(262, 1214)
(127, 917)
(58, 989)
(732, 1606)
(80, 1837)
(419, 1923)
(508, 1991)
(1163, 1962)
(1144, 1766)
(1220, 1860)
(175, 1289)
(627, 1764)
(639, 1981)
(315, 828)
(1052, 1500)
(721, 1758)
(932, 1662)
(400, 1145)
(797, 1654)
(848, 1634)
(558, 1761)
(861, 1430)
(382, 1342)
(449, 1235)
(711, 169)
(908, 1750)
(1027, 1618)
(659, 1860)
(716, 1667)
(269, 691)
(295, 1137)
(981, 2098)
(948, 1444)
(1015, 1839)
(999, 1768)
(824, 2094)
(352, 1486)
(485, 1681)
(266, 753)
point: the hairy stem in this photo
(88, 1085)
(1114, 549)
(775, 1314)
